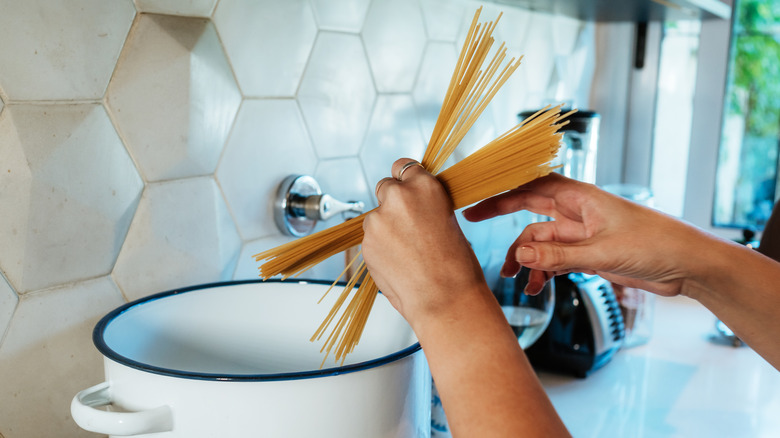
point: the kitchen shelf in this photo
(629, 10)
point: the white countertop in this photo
(679, 384)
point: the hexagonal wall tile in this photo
(247, 267)
(394, 133)
(482, 132)
(512, 29)
(268, 143)
(8, 301)
(538, 58)
(181, 235)
(581, 66)
(343, 179)
(432, 82)
(490, 11)
(394, 35)
(69, 190)
(565, 33)
(268, 43)
(510, 100)
(443, 18)
(173, 96)
(573, 60)
(340, 15)
(190, 8)
(48, 356)
(337, 94)
(56, 51)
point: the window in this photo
(673, 111)
(746, 185)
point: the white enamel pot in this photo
(234, 360)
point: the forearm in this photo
(742, 288)
(487, 386)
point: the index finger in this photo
(405, 166)
(548, 185)
(510, 202)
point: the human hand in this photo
(594, 232)
(413, 245)
(424, 265)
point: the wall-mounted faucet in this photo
(300, 203)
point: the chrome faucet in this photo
(300, 203)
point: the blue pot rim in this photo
(108, 352)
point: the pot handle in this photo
(82, 408)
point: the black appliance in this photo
(586, 328)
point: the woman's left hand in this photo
(413, 245)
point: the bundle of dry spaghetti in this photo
(520, 155)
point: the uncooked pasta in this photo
(520, 155)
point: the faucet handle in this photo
(300, 203)
(324, 207)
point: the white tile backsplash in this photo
(538, 60)
(268, 43)
(510, 99)
(72, 189)
(513, 28)
(565, 32)
(482, 132)
(60, 50)
(181, 234)
(432, 83)
(8, 300)
(268, 143)
(141, 144)
(173, 96)
(188, 8)
(394, 132)
(337, 94)
(579, 66)
(443, 18)
(394, 35)
(340, 15)
(47, 357)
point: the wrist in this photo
(711, 268)
(457, 309)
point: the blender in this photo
(587, 327)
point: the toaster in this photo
(586, 328)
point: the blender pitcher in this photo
(577, 154)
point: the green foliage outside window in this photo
(756, 69)
(747, 167)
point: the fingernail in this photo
(510, 269)
(532, 289)
(526, 254)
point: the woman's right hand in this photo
(594, 232)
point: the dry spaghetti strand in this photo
(518, 156)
